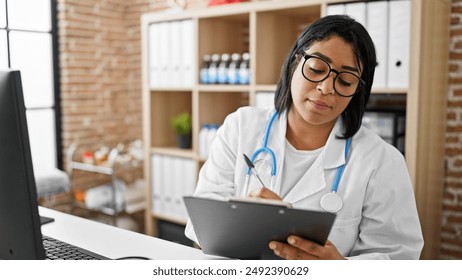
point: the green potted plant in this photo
(182, 125)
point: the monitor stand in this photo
(45, 220)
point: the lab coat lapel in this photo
(314, 180)
(334, 152)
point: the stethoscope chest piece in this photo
(331, 202)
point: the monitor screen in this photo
(20, 234)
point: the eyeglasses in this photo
(316, 69)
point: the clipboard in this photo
(242, 229)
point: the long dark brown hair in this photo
(352, 32)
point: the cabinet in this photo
(266, 29)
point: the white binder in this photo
(156, 185)
(399, 43)
(164, 43)
(264, 99)
(357, 11)
(177, 185)
(188, 172)
(154, 55)
(335, 9)
(377, 26)
(188, 53)
(176, 54)
(170, 185)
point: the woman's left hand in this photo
(298, 248)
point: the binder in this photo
(399, 43)
(377, 26)
(168, 190)
(188, 172)
(176, 54)
(357, 11)
(264, 99)
(171, 54)
(188, 53)
(335, 9)
(243, 230)
(154, 55)
(175, 186)
(164, 43)
(156, 185)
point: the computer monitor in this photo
(20, 233)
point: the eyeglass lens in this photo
(317, 70)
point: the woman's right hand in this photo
(265, 193)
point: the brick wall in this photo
(96, 106)
(451, 235)
(100, 64)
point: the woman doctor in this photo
(313, 133)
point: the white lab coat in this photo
(379, 218)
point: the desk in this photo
(114, 242)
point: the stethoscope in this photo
(330, 202)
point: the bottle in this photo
(223, 69)
(233, 69)
(204, 72)
(203, 140)
(211, 136)
(244, 69)
(213, 69)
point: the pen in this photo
(252, 169)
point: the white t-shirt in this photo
(296, 164)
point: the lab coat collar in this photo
(334, 150)
(314, 180)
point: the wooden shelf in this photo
(272, 88)
(177, 152)
(223, 88)
(170, 219)
(389, 90)
(171, 89)
(92, 168)
(265, 88)
(267, 29)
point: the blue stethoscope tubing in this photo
(265, 148)
(340, 169)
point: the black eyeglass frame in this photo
(360, 84)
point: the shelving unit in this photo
(267, 29)
(110, 169)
